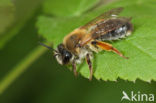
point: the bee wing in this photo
(106, 15)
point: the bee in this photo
(92, 37)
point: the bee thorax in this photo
(82, 54)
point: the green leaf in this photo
(67, 7)
(6, 14)
(21, 13)
(139, 47)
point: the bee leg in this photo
(107, 47)
(74, 68)
(90, 66)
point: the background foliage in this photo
(28, 76)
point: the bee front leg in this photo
(107, 47)
(74, 68)
(90, 66)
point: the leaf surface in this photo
(67, 7)
(140, 47)
(6, 14)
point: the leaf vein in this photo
(140, 48)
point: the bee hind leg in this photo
(107, 47)
(90, 66)
(74, 68)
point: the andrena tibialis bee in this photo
(92, 37)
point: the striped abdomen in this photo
(112, 29)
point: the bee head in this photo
(63, 56)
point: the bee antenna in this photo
(50, 48)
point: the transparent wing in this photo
(106, 15)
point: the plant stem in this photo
(21, 67)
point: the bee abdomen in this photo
(116, 34)
(113, 29)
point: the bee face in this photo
(63, 56)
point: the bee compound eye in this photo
(66, 57)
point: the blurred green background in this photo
(44, 80)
